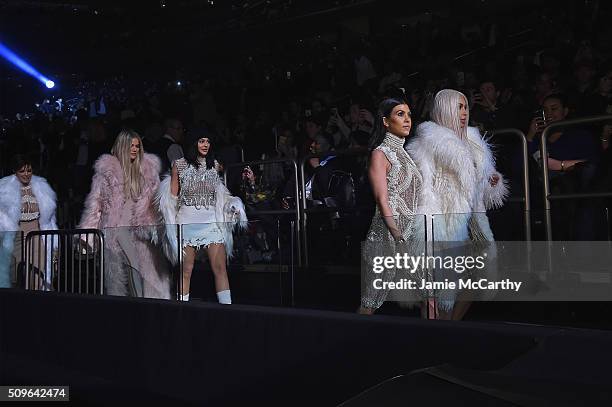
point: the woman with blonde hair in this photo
(121, 203)
(460, 181)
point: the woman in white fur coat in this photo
(195, 197)
(27, 203)
(460, 181)
(121, 202)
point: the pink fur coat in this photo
(103, 210)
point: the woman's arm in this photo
(379, 167)
(174, 182)
(562, 165)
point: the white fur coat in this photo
(10, 213)
(456, 184)
(224, 215)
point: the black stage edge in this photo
(111, 350)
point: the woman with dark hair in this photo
(195, 197)
(27, 203)
(396, 184)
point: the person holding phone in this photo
(566, 147)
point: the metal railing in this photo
(295, 211)
(545, 176)
(66, 256)
(525, 199)
(304, 206)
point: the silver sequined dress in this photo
(197, 204)
(403, 186)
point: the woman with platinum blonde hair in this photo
(460, 181)
(121, 203)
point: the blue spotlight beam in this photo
(24, 66)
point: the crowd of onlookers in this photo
(317, 96)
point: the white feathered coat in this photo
(456, 177)
(10, 214)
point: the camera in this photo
(308, 113)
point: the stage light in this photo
(24, 66)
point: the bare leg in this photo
(218, 261)
(188, 260)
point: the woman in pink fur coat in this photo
(121, 203)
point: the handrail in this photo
(295, 211)
(546, 181)
(48, 249)
(526, 198)
(303, 207)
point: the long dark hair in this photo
(384, 110)
(191, 147)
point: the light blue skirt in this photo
(200, 228)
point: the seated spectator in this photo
(349, 132)
(566, 146)
(599, 102)
(314, 133)
(572, 162)
(489, 113)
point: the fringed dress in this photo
(403, 185)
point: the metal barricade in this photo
(525, 199)
(295, 211)
(546, 181)
(303, 207)
(65, 257)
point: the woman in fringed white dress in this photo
(195, 197)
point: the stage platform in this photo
(112, 350)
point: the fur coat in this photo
(227, 217)
(10, 214)
(103, 209)
(456, 182)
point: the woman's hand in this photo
(536, 126)
(493, 180)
